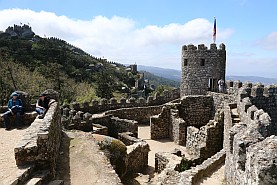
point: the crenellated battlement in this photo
(258, 90)
(97, 106)
(249, 89)
(202, 47)
(249, 143)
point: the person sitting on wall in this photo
(42, 105)
(221, 85)
(14, 108)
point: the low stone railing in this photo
(40, 144)
(193, 175)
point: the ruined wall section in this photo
(206, 141)
(174, 118)
(139, 114)
(160, 123)
(196, 110)
(72, 119)
(137, 152)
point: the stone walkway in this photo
(82, 163)
(166, 145)
(160, 145)
(8, 141)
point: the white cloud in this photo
(246, 66)
(269, 42)
(118, 38)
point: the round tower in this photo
(202, 68)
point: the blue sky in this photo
(152, 32)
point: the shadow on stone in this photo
(63, 166)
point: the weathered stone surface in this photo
(140, 114)
(249, 145)
(137, 157)
(115, 150)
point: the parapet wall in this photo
(249, 145)
(41, 142)
(104, 105)
(263, 98)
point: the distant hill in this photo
(176, 75)
(253, 79)
(31, 63)
(162, 72)
(158, 80)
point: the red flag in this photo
(214, 32)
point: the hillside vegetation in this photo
(32, 64)
(37, 64)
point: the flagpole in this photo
(214, 31)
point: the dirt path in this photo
(160, 145)
(8, 141)
(81, 162)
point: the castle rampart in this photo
(103, 105)
(250, 143)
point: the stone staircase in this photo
(26, 175)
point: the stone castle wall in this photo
(160, 123)
(206, 141)
(137, 152)
(139, 114)
(174, 118)
(104, 105)
(196, 110)
(202, 67)
(72, 119)
(250, 144)
(263, 98)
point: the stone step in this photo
(38, 178)
(56, 182)
(236, 120)
(234, 115)
(234, 111)
(23, 173)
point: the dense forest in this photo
(33, 65)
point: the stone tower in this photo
(202, 68)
